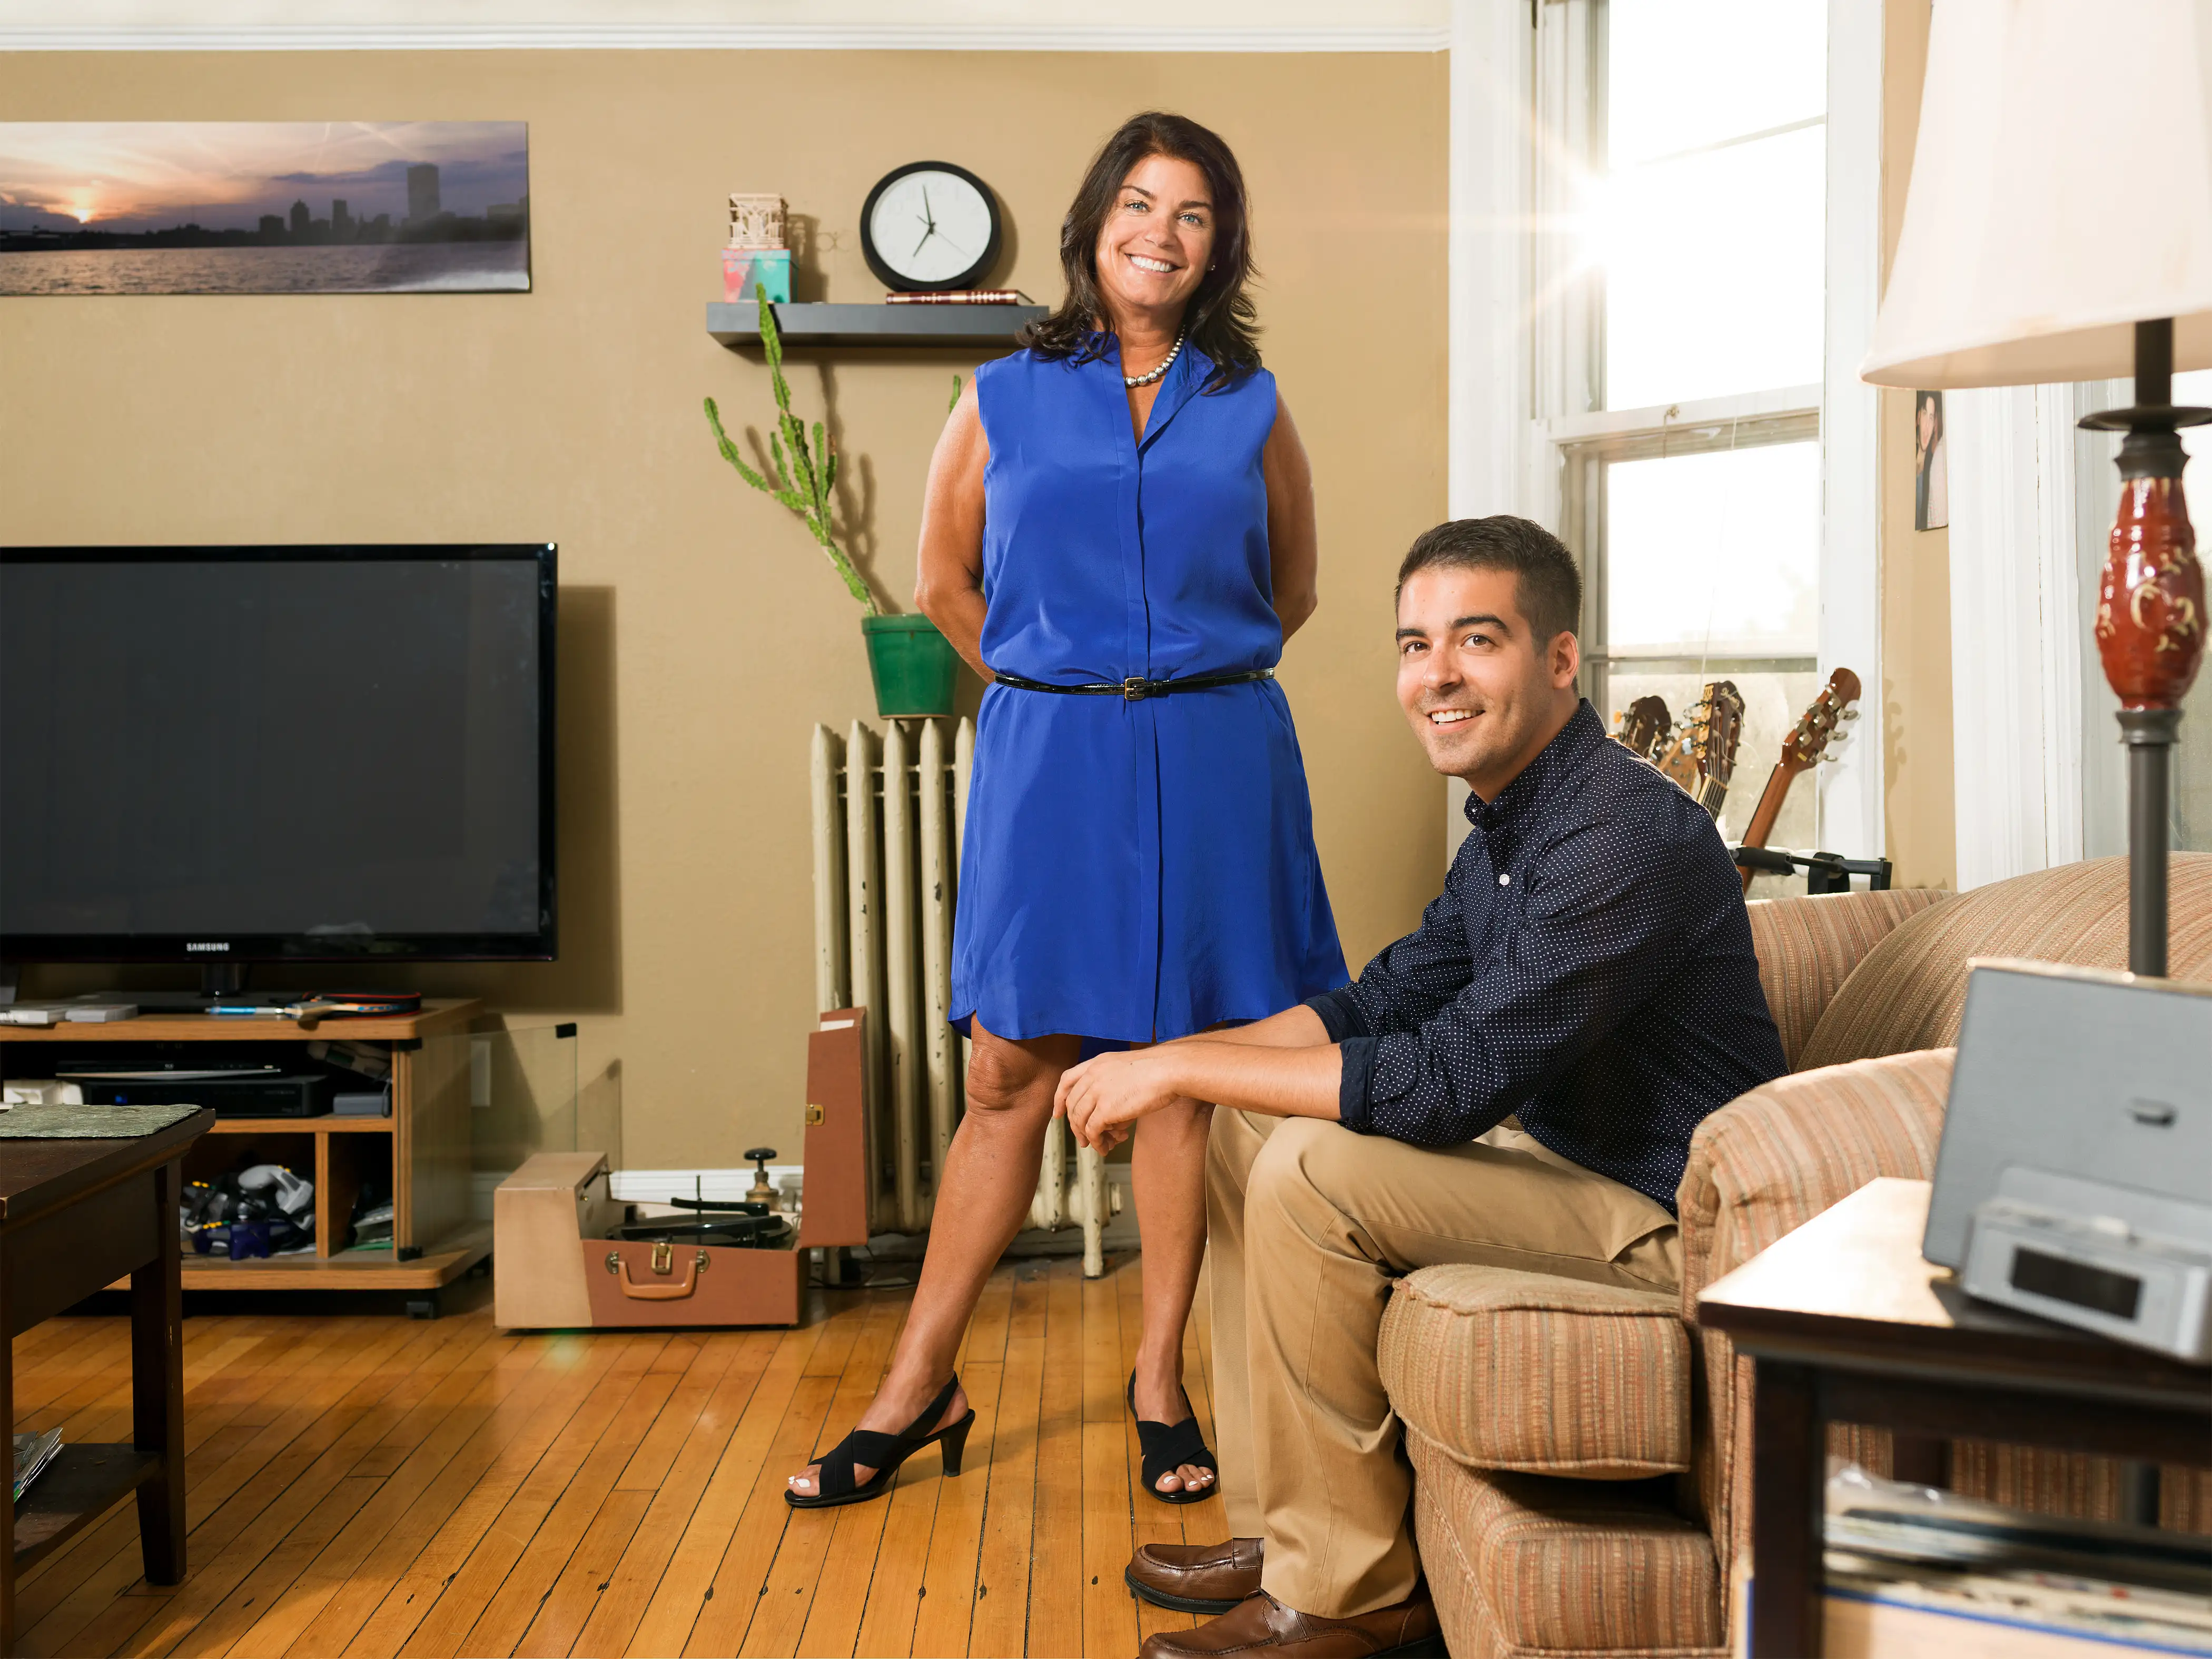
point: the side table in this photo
(75, 1217)
(1846, 1323)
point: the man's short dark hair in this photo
(1548, 587)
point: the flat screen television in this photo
(232, 755)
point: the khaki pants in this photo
(1306, 1224)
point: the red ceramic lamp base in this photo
(2150, 601)
(2150, 621)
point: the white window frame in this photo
(1527, 436)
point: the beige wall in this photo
(1916, 570)
(701, 635)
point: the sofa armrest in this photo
(1771, 1160)
(1763, 1165)
(1526, 1371)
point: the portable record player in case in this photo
(564, 1258)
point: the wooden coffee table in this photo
(1846, 1323)
(76, 1215)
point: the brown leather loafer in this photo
(1263, 1624)
(1196, 1578)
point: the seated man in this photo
(1515, 1083)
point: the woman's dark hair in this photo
(1219, 320)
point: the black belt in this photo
(1135, 689)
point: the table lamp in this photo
(2059, 228)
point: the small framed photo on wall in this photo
(1931, 484)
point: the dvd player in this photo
(245, 1094)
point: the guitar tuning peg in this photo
(1850, 714)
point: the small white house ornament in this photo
(757, 221)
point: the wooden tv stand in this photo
(424, 1145)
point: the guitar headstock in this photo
(1702, 760)
(1717, 725)
(1809, 737)
(1679, 761)
(1644, 727)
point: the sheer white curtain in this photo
(2040, 777)
(2016, 629)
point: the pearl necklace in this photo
(1132, 381)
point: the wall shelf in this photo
(988, 326)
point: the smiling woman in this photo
(1216, 313)
(1139, 862)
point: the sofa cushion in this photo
(1522, 1565)
(1518, 1370)
(1807, 945)
(1909, 992)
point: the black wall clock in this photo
(930, 226)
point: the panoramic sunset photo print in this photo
(263, 207)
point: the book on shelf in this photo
(1916, 1570)
(961, 296)
(32, 1453)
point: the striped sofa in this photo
(1580, 1452)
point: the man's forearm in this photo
(1280, 1080)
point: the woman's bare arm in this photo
(1293, 543)
(948, 586)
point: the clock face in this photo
(930, 225)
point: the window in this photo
(1707, 219)
(1681, 189)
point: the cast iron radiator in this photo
(887, 863)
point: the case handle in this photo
(674, 1291)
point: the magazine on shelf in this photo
(1988, 1573)
(32, 1453)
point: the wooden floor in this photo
(374, 1486)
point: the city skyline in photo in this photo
(132, 178)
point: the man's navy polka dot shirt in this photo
(1588, 968)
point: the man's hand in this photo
(1285, 1067)
(1103, 1098)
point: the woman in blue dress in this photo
(1119, 535)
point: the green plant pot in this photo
(912, 664)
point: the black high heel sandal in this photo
(1168, 1447)
(884, 1453)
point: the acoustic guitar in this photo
(1702, 756)
(1645, 725)
(1801, 751)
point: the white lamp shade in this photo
(2062, 192)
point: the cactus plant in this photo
(801, 475)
